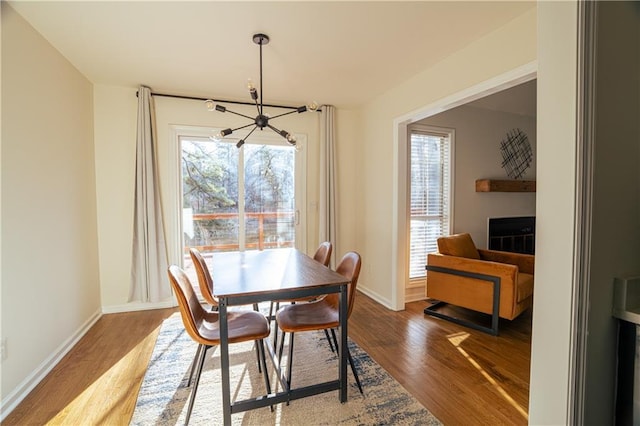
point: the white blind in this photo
(429, 203)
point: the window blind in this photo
(429, 206)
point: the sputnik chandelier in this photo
(261, 120)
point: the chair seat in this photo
(308, 316)
(243, 326)
(525, 286)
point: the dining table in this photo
(250, 277)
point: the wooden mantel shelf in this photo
(497, 185)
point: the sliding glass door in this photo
(238, 199)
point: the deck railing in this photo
(260, 244)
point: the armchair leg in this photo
(495, 315)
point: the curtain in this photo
(149, 280)
(327, 217)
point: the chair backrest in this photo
(349, 267)
(460, 245)
(191, 310)
(204, 276)
(323, 254)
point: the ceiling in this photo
(340, 53)
(520, 99)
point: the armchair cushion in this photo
(460, 245)
(525, 286)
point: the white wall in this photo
(555, 210)
(115, 167)
(50, 287)
(505, 49)
(478, 133)
(615, 240)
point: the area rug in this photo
(164, 395)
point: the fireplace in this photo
(514, 234)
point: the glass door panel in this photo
(269, 196)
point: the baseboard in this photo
(375, 296)
(15, 397)
(138, 306)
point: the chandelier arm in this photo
(243, 127)
(278, 131)
(284, 113)
(249, 134)
(242, 141)
(241, 115)
(259, 105)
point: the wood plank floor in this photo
(464, 377)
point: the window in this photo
(429, 193)
(239, 199)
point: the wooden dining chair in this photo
(203, 327)
(322, 314)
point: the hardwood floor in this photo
(464, 377)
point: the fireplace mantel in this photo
(497, 185)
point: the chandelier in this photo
(261, 120)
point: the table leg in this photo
(224, 360)
(343, 343)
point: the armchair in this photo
(489, 281)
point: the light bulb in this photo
(291, 139)
(250, 84)
(312, 106)
(216, 138)
(210, 104)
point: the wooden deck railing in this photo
(261, 244)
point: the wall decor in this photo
(516, 153)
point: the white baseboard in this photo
(375, 296)
(15, 397)
(138, 306)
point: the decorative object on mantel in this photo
(498, 185)
(261, 120)
(516, 153)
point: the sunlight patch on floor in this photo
(103, 387)
(456, 340)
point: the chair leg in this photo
(192, 399)
(258, 358)
(275, 328)
(193, 364)
(281, 348)
(263, 360)
(326, 333)
(353, 368)
(289, 369)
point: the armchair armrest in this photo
(524, 262)
(504, 270)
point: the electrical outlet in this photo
(3, 349)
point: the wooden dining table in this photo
(249, 277)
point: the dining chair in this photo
(205, 282)
(322, 314)
(203, 327)
(322, 255)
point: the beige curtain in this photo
(149, 280)
(328, 219)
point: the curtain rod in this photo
(195, 98)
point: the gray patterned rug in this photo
(163, 396)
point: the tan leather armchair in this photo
(494, 282)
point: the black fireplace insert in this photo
(513, 234)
